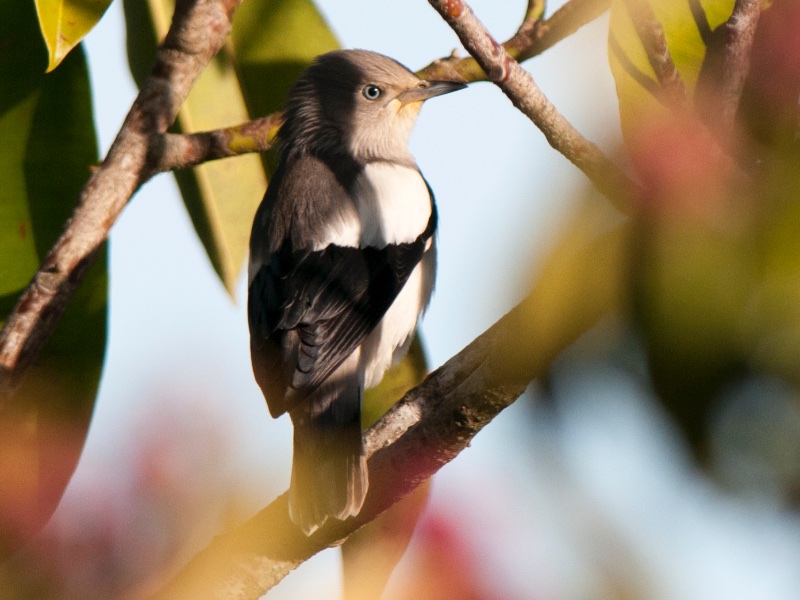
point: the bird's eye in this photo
(371, 92)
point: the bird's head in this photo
(358, 102)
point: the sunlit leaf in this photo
(395, 383)
(48, 147)
(221, 197)
(272, 42)
(689, 27)
(64, 23)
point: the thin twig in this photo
(523, 92)
(651, 34)
(564, 22)
(199, 28)
(534, 12)
(533, 37)
(178, 151)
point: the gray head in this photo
(358, 102)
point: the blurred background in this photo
(593, 485)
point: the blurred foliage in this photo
(274, 41)
(689, 28)
(271, 42)
(712, 269)
(48, 148)
(64, 23)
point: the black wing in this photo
(309, 310)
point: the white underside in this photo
(392, 206)
(389, 341)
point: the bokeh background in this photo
(584, 488)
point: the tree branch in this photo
(534, 36)
(178, 151)
(523, 92)
(199, 28)
(422, 432)
(740, 33)
(651, 34)
(579, 283)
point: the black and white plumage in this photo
(342, 265)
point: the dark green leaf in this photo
(48, 147)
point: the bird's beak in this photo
(429, 89)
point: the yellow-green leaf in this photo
(274, 41)
(687, 31)
(64, 23)
(221, 197)
(395, 383)
(48, 147)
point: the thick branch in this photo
(198, 30)
(425, 430)
(579, 283)
(523, 92)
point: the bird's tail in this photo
(329, 470)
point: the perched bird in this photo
(342, 265)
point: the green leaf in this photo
(688, 30)
(272, 43)
(64, 23)
(220, 197)
(395, 383)
(47, 129)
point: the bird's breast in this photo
(390, 204)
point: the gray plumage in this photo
(342, 263)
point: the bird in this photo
(342, 265)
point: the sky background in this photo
(530, 492)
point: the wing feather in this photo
(309, 310)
